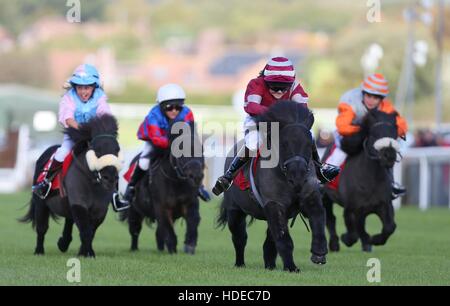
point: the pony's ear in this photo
(310, 120)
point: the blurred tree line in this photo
(326, 76)
(17, 15)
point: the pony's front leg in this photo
(237, 227)
(315, 212)
(165, 224)
(83, 222)
(41, 215)
(160, 237)
(66, 238)
(351, 237)
(134, 227)
(363, 235)
(277, 220)
(192, 221)
(270, 251)
(386, 214)
(331, 223)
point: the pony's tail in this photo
(35, 204)
(30, 216)
(124, 216)
(35, 201)
(222, 218)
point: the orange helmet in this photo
(375, 84)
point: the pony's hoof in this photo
(160, 246)
(367, 248)
(347, 241)
(189, 249)
(63, 245)
(270, 267)
(87, 254)
(239, 265)
(319, 259)
(134, 249)
(334, 246)
(39, 251)
(378, 240)
(292, 269)
(172, 251)
(90, 255)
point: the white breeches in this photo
(144, 160)
(252, 137)
(337, 157)
(64, 149)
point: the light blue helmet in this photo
(85, 75)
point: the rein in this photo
(294, 158)
(367, 149)
(94, 177)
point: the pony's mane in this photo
(376, 115)
(105, 124)
(287, 112)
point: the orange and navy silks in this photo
(351, 111)
(155, 127)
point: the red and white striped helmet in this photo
(376, 84)
(279, 69)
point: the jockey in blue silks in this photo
(154, 130)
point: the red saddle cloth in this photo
(57, 180)
(127, 176)
(240, 180)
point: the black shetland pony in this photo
(287, 189)
(365, 182)
(171, 193)
(89, 184)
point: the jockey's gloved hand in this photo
(327, 173)
(203, 194)
(397, 190)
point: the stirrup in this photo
(130, 192)
(37, 189)
(118, 204)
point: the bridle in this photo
(295, 157)
(180, 170)
(368, 149)
(94, 176)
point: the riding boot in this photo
(130, 191)
(117, 202)
(325, 172)
(42, 189)
(397, 189)
(203, 194)
(224, 182)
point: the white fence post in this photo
(398, 177)
(424, 180)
